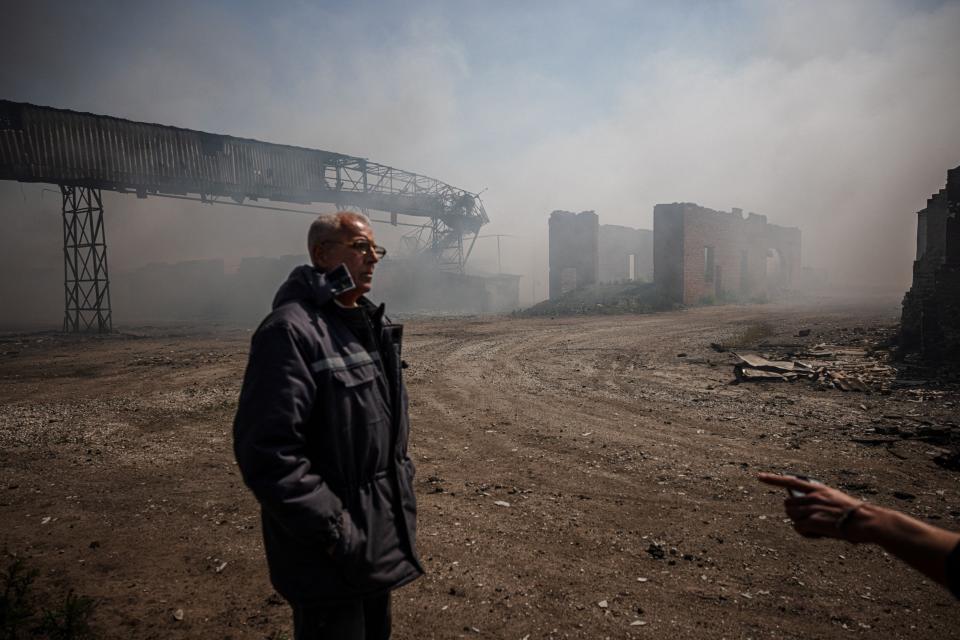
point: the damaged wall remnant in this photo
(625, 253)
(585, 252)
(574, 250)
(703, 255)
(930, 322)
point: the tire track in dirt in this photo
(610, 449)
(618, 459)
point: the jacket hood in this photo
(305, 283)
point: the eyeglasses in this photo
(362, 247)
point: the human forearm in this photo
(821, 511)
(922, 546)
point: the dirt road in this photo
(588, 477)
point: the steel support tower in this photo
(86, 281)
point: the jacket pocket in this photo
(373, 557)
(358, 375)
(349, 551)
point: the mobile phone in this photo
(796, 493)
(339, 280)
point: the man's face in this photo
(343, 249)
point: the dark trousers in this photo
(367, 619)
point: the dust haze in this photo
(837, 118)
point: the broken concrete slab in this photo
(754, 368)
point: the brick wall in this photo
(617, 244)
(668, 250)
(750, 258)
(574, 249)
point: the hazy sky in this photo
(838, 117)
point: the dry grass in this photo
(750, 337)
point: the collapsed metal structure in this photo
(84, 153)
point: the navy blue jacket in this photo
(320, 437)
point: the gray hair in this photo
(328, 225)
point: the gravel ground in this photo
(577, 477)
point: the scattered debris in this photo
(753, 367)
(275, 600)
(829, 368)
(945, 435)
(843, 382)
(949, 461)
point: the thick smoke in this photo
(838, 119)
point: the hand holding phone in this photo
(819, 511)
(795, 492)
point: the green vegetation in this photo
(20, 620)
(15, 605)
(71, 621)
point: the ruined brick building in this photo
(585, 252)
(625, 253)
(702, 255)
(930, 321)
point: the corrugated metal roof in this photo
(58, 146)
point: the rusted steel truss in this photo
(86, 281)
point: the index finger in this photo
(788, 482)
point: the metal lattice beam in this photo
(86, 281)
(59, 146)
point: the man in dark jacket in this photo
(321, 439)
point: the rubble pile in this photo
(825, 366)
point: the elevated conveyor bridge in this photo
(84, 153)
